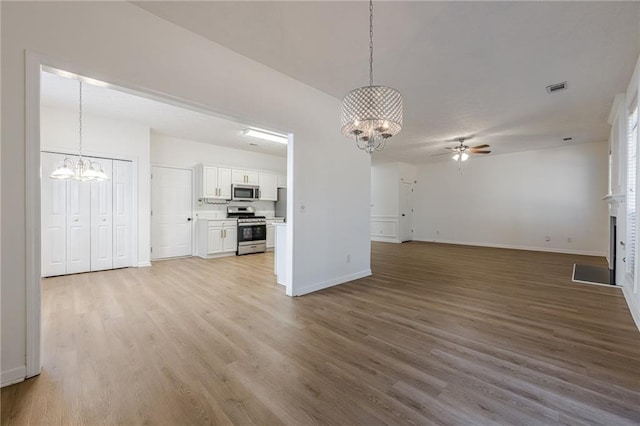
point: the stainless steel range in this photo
(252, 229)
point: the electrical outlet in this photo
(348, 258)
(569, 240)
(437, 232)
(303, 207)
(547, 238)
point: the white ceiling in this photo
(464, 67)
(62, 92)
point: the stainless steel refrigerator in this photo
(281, 204)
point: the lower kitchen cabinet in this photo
(217, 238)
(271, 232)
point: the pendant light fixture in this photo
(83, 169)
(371, 114)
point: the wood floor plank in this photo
(439, 334)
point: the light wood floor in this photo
(440, 334)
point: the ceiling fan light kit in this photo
(371, 114)
(462, 152)
(82, 170)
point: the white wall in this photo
(177, 152)
(516, 200)
(120, 43)
(110, 138)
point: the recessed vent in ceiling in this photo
(569, 139)
(553, 88)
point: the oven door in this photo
(244, 193)
(250, 232)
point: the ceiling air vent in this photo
(552, 88)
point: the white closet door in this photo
(78, 227)
(102, 221)
(122, 213)
(53, 217)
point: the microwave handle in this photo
(258, 193)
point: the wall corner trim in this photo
(634, 308)
(333, 282)
(15, 375)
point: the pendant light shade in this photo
(82, 170)
(371, 114)
(64, 170)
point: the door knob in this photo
(403, 215)
(189, 219)
(621, 243)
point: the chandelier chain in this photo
(80, 118)
(370, 42)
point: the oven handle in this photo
(252, 224)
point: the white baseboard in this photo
(15, 375)
(633, 305)
(330, 283)
(515, 247)
(144, 264)
(385, 239)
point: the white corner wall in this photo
(120, 43)
(516, 200)
(110, 138)
(177, 152)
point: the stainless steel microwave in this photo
(245, 192)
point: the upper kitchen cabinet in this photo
(282, 181)
(268, 186)
(247, 177)
(212, 182)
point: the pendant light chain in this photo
(370, 42)
(80, 119)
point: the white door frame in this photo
(33, 66)
(193, 218)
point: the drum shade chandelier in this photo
(371, 114)
(82, 169)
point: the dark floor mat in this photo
(593, 274)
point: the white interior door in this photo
(53, 218)
(406, 211)
(122, 213)
(171, 213)
(102, 221)
(78, 227)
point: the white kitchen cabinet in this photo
(246, 177)
(268, 186)
(212, 182)
(271, 232)
(282, 181)
(217, 238)
(230, 239)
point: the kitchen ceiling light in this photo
(261, 134)
(371, 114)
(82, 170)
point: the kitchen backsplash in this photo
(219, 211)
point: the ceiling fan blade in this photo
(480, 152)
(480, 146)
(444, 153)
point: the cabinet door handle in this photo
(221, 235)
(225, 233)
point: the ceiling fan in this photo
(462, 152)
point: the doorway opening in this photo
(121, 220)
